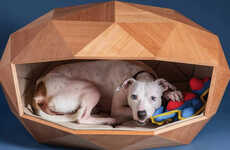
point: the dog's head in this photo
(144, 96)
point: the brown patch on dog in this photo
(40, 90)
(44, 106)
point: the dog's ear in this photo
(128, 82)
(165, 84)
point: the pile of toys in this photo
(193, 104)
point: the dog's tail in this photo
(39, 96)
(55, 118)
(59, 118)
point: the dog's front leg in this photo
(173, 95)
(120, 109)
(170, 91)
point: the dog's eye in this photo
(153, 98)
(41, 104)
(134, 97)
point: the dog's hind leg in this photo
(89, 102)
(85, 117)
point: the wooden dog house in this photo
(120, 31)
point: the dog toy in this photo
(199, 86)
(203, 89)
(193, 104)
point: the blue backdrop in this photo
(211, 14)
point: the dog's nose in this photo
(141, 114)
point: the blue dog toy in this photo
(191, 107)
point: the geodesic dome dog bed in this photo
(174, 46)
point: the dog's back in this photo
(106, 75)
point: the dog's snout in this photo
(141, 114)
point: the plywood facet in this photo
(7, 83)
(125, 13)
(41, 132)
(114, 43)
(97, 12)
(220, 80)
(22, 38)
(170, 14)
(42, 43)
(184, 134)
(114, 142)
(184, 45)
(150, 142)
(74, 141)
(128, 142)
(148, 35)
(77, 35)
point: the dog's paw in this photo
(174, 95)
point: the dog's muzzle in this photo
(141, 114)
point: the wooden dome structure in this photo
(111, 30)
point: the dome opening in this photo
(179, 74)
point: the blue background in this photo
(211, 14)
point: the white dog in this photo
(128, 90)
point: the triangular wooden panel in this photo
(150, 142)
(185, 134)
(222, 59)
(128, 14)
(21, 38)
(182, 19)
(4, 79)
(150, 35)
(8, 86)
(46, 46)
(170, 14)
(41, 20)
(114, 43)
(77, 35)
(97, 12)
(203, 39)
(220, 79)
(73, 141)
(60, 12)
(114, 142)
(42, 133)
(183, 46)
